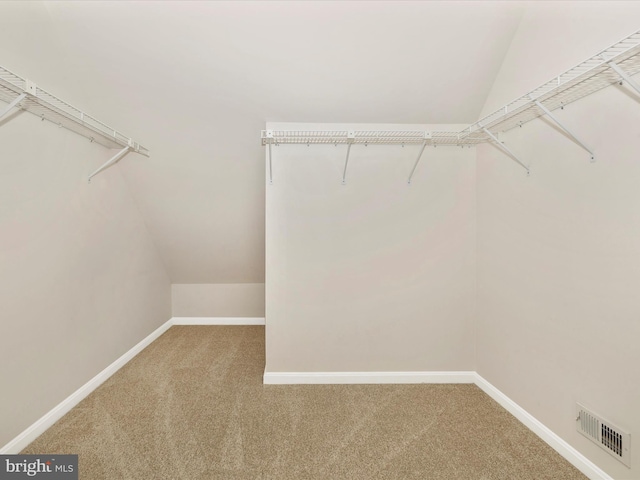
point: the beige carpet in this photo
(192, 406)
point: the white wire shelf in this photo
(51, 108)
(364, 137)
(584, 79)
(595, 73)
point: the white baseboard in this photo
(218, 320)
(39, 427)
(288, 378)
(292, 378)
(573, 456)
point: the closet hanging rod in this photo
(49, 107)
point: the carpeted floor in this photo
(192, 406)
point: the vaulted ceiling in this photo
(195, 83)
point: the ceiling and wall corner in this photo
(553, 37)
(196, 82)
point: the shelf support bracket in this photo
(416, 162)
(427, 135)
(113, 160)
(15, 102)
(270, 168)
(625, 76)
(563, 127)
(504, 148)
(351, 135)
(269, 137)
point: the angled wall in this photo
(559, 252)
(373, 275)
(80, 279)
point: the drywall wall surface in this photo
(199, 96)
(374, 275)
(559, 251)
(80, 280)
(218, 300)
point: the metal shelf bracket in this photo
(269, 141)
(625, 76)
(351, 135)
(589, 76)
(504, 148)
(113, 160)
(9, 107)
(26, 94)
(427, 136)
(563, 127)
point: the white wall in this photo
(559, 252)
(199, 95)
(218, 300)
(374, 275)
(80, 280)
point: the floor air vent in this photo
(604, 434)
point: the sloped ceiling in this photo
(196, 82)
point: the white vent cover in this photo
(604, 434)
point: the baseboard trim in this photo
(572, 455)
(218, 320)
(41, 425)
(46, 421)
(293, 378)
